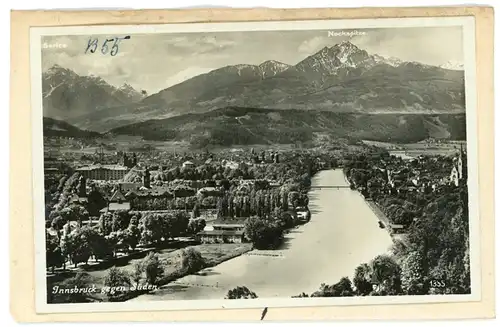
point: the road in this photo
(343, 233)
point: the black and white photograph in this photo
(235, 164)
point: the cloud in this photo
(312, 45)
(186, 74)
(430, 45)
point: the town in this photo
(118, 218)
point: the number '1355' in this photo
(110, 46)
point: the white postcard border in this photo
(468, 27)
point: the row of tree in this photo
(115, 232)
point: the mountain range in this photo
(67, 95)
(340, 78)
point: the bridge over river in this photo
(343, 233)
(333, 187)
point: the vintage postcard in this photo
(260, 164)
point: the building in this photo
(188, 164)
(223, 232)
(116, 202)
(230, 164)
(459, 170)
(209, 191)
(128, 161)
(182, 191)
(103, 172)
(220, 236)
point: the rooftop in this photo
(117, 196)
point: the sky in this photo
(153, 62)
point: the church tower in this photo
(146, 179)
(82, 187)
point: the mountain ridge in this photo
(242, 126)
(339, 78)
(68, 95)
(56, 127)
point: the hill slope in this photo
(54, 127)
(241, 126)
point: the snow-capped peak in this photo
(344, 50)
(392, 61)
(126, 86)
(271, 68)
(129, 91)
(452, 65)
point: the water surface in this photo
(343, 233)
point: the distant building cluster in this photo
(109, 172)
(103, 172)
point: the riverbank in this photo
(213, 254)
(382, 217)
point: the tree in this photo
(341, 289)
(74, 213)
(81, 248)
(58, 223)
(117, 281)
(67, 245)
(106, 223)
(362, 279)
(284, 200)
(179, 224)
(99, 245)
(220, 208)
(152, 228)
(95, 202)
(196, 210)
(284, 219)
(293, 198)
(132, 236)
(54, 255)
(264, 234)
(230, 209)
(191, 260)
(137, 273)
(118, 241)
(386, 275)
(121, 220)
(153, 268)
(412, 274)
(240, 292)
(196, 225)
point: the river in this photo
(343, 233)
